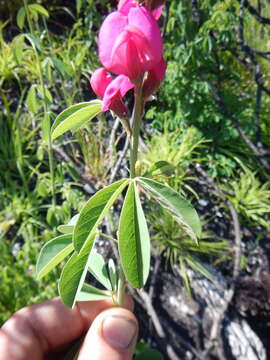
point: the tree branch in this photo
(255, 13)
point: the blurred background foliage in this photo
(212, 109)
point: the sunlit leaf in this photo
(21, 17)
(68, 228)
(36, 8)
(175, 204)
(98, 269)
(18, 48)
(33, 41)
(91, 293)
(61, 67)
(68, 112)
(73, 275)
(77, 118)
(134, 241)
(31, 100)
(162, 167)
(198, 266)
(52, 253)
(94, 211)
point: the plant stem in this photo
(121, 287)
(134, 144)
(46, 117)
(28, 17)
(136, 124)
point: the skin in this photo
(45, 331)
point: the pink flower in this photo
(153, 79)
(157, 12)
(111, 90)
(99, 81)
(125, 5)
(130, 41)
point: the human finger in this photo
(35, 330)
(112, 335)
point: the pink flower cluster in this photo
(130, 46)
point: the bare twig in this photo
(112, 139)
(119, 161)
(90, 188)
(257, 152)
(255, 13)
(147, 304)
(249, 53)
(264, 54)
(215, 334)
(257, 113)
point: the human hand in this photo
(45, 331)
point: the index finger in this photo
(37, 329)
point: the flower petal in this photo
(111, 28)
(128, 53)
(100, 79)
(125, 5)
(115, 91)
(154, 78)
(157, 12)
(142, 19)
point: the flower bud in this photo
(130, 44)
(111, 91)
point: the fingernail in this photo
(119, 331)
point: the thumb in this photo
(112, 336)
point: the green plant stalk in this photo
(28, 17)
(45, 106)
(121, 287)
(136, 124)
(134, 144)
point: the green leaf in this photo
(98, 269)
(150, 354)
(61, 67)
(198, 266)
(36, 8)
(68, 112)
(73, 275)
(21, 17)
(94, 211)
(134, 241)
(33, 41)
(68, 228)
(45, 94)
(52, 253)
(91, 293)
(184, 274)
(175, 204)
(76, 119)
(18, 48)
(163, 166)
(31, 100)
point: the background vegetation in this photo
(210, 123)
